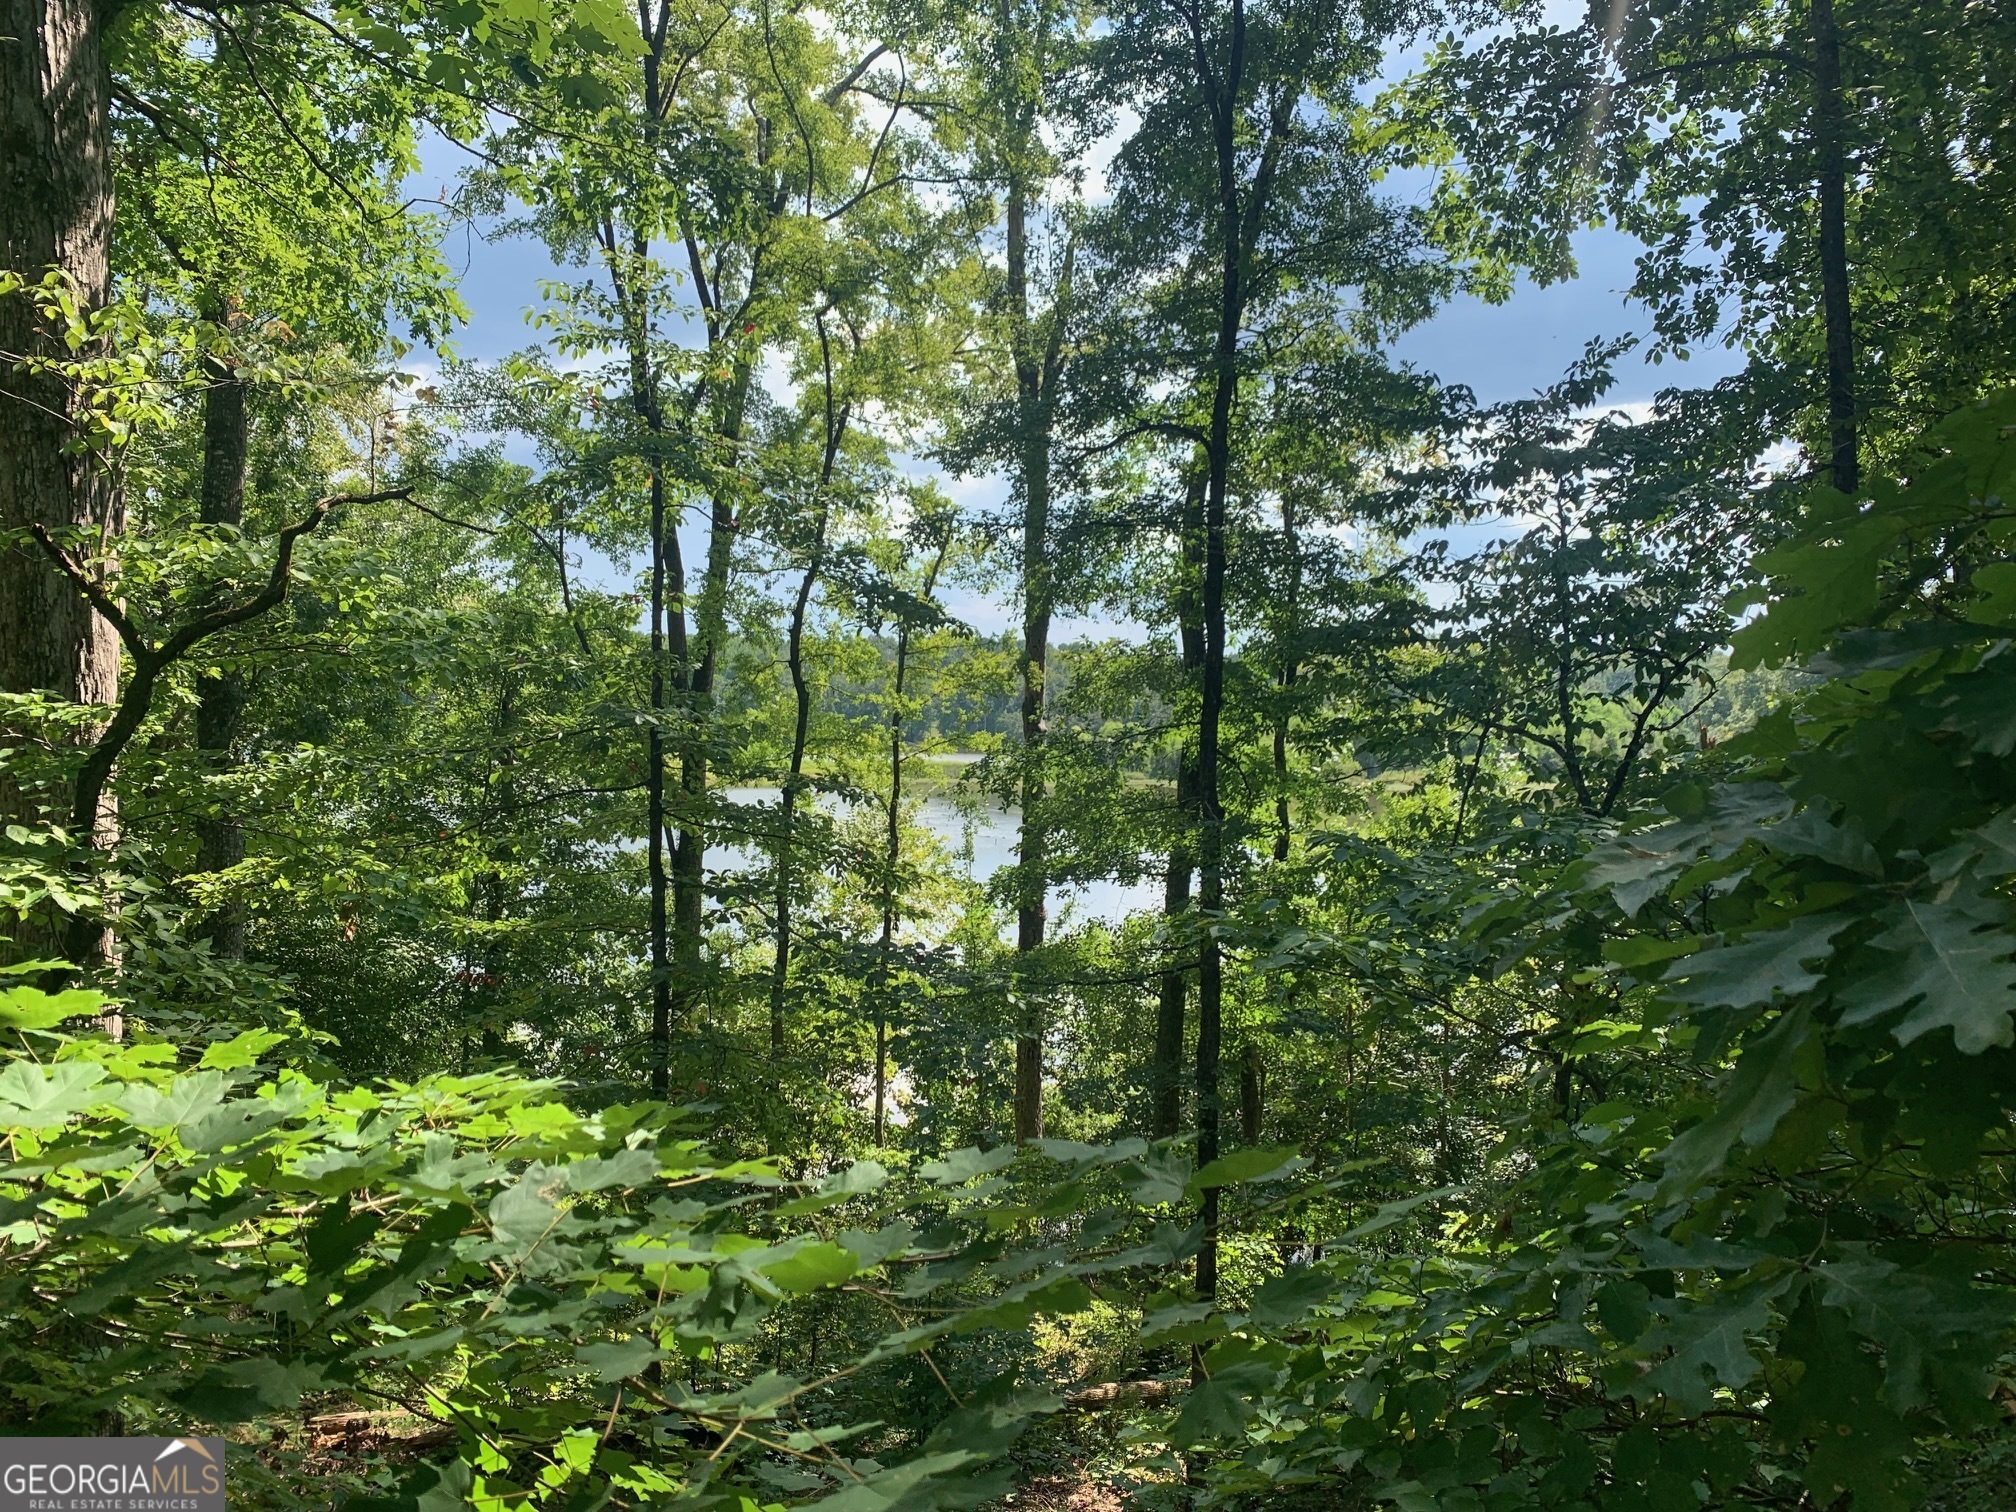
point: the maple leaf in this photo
(1753, 1097)
(1916, 1315)
(1757, 967)
(1713, 1338)
(1959, 977)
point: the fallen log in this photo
(364, 1429)
(1110, 1394)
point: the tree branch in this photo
(1698, 65)
(150, 662)
(107, 607)
(853, 75)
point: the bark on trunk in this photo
(1830, 130)
(220, 698)
(1252, 1092)
(55, 211)
(1033, 422)
(697, 673)
(787, 810)
(1239, 218)
(654, 803)
(626, 258)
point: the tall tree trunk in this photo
(497, 803)
(654, 802)
(1211, 705)
(220, 696)
(1290, 668)
(801, 692)
(892, 842)
(55, 211)
(1172, 992)
(1033, 425)
(787, 808)
(1238, 224)
(1252, 1091)
(1830, 130)
(626, 251)
(1166, 1079)
(710, 634)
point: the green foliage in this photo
(584, 1296)
(1805, 1251)
(1611, 1085)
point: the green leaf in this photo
(1291, 1296)
(1757, 968)
(338, 1237)
(524, 1213)
(1829, 1391)
(182, 1102)
(964, 1165)
(870, 1250)
(862, 1176)
(236, 1123)
(1258, 1163)
(1832, 577)
(904, 1484)
(992, 1418)
(1981, 705)
(45, 1097)
(444, 1487)
(1635, 871)
(1993, 845)
(1178, 1323)
(626, 1169)
(1707, 1340)
(1647, 950)
(1155, 1179)
(15, 832)
(31, 1008)
(1027, 1300)
(811, 1265)
(1954, 967)
(248, 1389)
(1395, 1212)
(608, 20)
(1808, 833)
(1624, 1308)
(1217, 1409)
(1996, 582)
(240, 1050)
(1752, 1098)
(1916, 1315)
(618, 1360)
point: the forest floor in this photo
(1065, 1493)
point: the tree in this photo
(1021, 121)
(1243, 164)
(261, 163)
(58, 171)
(1776, 162)
(56, 199)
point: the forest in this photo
(963, 829)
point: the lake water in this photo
(979, 837)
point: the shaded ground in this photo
(1063, 1493)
